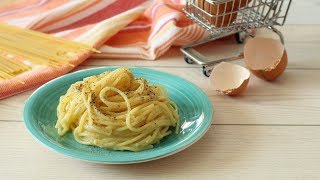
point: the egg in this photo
(223, 14)
(265, 57)
(243, 3)
(219, 17)
(228, 78)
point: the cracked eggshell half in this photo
(228, 78)
(265, 57)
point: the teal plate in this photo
(195, 111)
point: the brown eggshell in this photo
(266, 58)
(273, 73)
(230, 79)
(238, 90)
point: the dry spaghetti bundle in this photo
(23, 49)
(115, 110)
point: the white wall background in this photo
(304, 12)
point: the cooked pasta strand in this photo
(116, 111)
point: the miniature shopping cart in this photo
(225, 17)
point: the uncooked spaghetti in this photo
(23, 49)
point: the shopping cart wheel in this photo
(187, 59)
(240, 37)
(206, 70)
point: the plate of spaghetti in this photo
(118, 115)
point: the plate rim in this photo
(71, 153)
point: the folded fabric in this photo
(161, 26)
(120, 28)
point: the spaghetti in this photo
(22, 49)
(117, 111)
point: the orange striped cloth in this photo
(119, 28)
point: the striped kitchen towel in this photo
(161, 26)
(138, 29)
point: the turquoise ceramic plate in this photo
(195, 112)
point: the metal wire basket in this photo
(225, 17)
